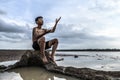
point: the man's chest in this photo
(39, 31)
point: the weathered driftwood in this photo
(33, 58)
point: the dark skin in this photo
(38, 35)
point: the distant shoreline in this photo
(68, 50)
(106, 50)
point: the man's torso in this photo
(37, 33)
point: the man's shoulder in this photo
(34, 27)
(44, 29)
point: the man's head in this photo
(39, 20)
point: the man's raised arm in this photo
(54, 27)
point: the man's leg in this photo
(41, 42)
(54, 43)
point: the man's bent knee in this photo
(55, 40)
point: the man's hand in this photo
(54, 27)
(57, 20)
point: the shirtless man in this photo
(39, 39)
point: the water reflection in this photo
(107, 61)
(10, 76)
(36, 73)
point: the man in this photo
(39, 39)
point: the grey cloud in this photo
(6, 27)
(14, 32)
(8, 40)
(2, 12)
(66, 31)
(14, 37)
(65, 34)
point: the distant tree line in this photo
(89, 49)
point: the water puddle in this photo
(33, 73)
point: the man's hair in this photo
(36, 19)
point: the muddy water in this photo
(33, 73)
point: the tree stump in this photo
(33, 58)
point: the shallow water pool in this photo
(33, 73)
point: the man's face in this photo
(40, 21)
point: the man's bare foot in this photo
(45, 60)
(52, 58)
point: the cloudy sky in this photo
(84, 23)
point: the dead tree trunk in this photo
(33, 58)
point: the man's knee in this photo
(55, 40)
